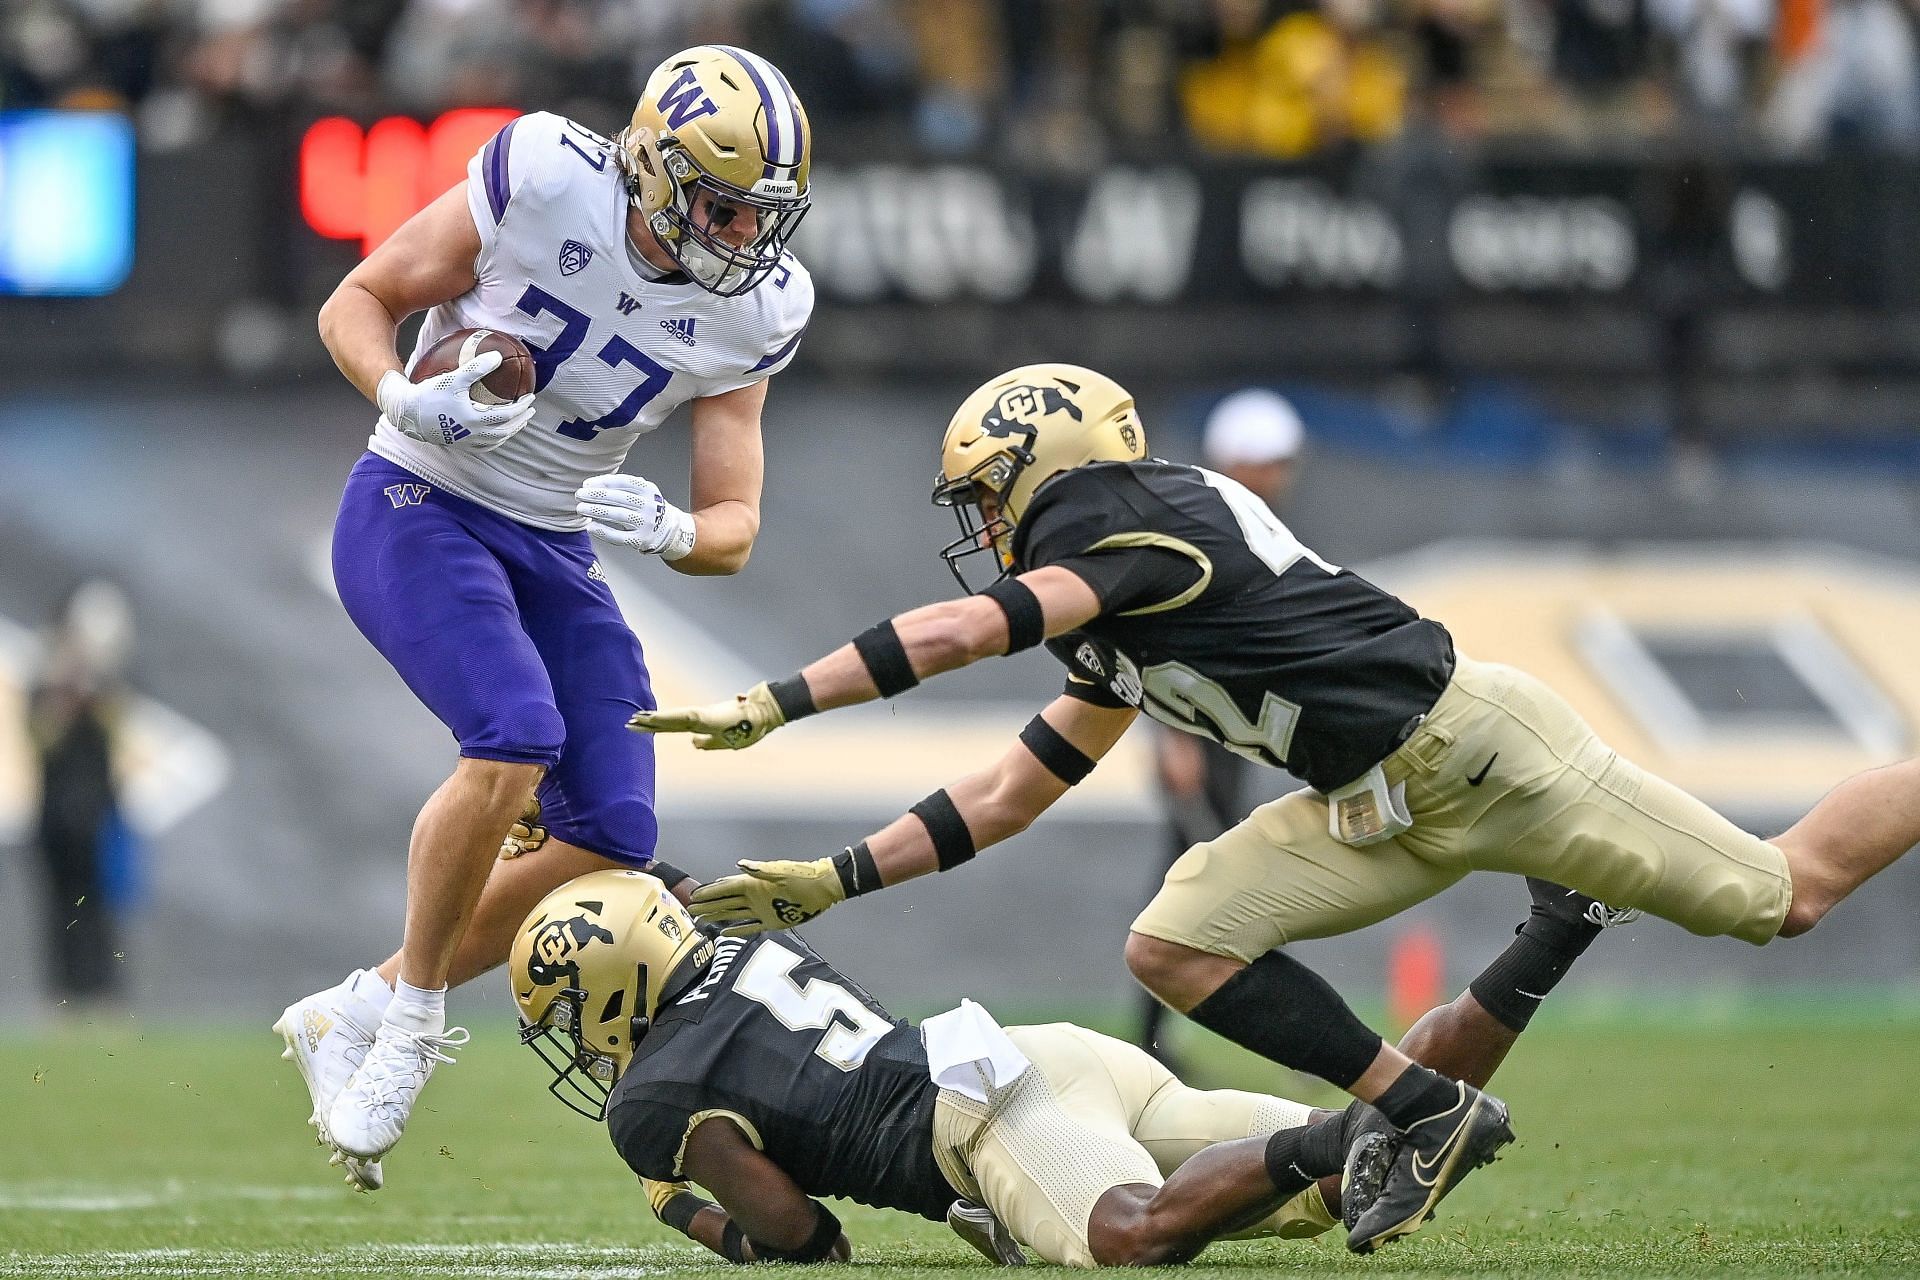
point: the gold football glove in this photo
(526, 835)
(768, 895)
(740, 721)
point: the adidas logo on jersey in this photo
(596, 573)
(681, 329)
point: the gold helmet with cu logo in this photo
(590, 967)
(1016, 432)
(722, 121)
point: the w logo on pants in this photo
(406, 495)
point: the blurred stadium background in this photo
(1603, 317)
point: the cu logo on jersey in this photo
(1126, 679)
(574, 256)
(1019, 407)
(556, 942)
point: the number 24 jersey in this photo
(616, 348)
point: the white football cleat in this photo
(368, 1116)
(327, 1035)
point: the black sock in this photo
(1513, 986)
(1418, 1094)
(1298, 1158)
(1284, 1011)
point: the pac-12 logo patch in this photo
(574, 256)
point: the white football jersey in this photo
(614, 351)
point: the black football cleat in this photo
(1372, 1143)
(1434, 1156)
(977, 1225)
(1576, 909)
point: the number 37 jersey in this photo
(616, 349)
(811, 1068)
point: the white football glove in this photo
(442, 410)
(630, 512)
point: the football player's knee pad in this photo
(622, 828)
(522, 729)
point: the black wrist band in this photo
(667, 874)
(858, 874)
(793, 697)
(819, 1245)
(682, 1209)
(880, 648)
(1058, 756)
(952, 842)
(730, 1241)
(1026, 621)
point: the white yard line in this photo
(508, 1260)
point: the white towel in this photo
(969, 1053)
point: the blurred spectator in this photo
(1312, 79)
(1853, 80)
(1252, 436)
(1056, 85)
(84, 846)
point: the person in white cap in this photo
(1253, 436)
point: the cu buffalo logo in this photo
(1018, 408)
(557, 942)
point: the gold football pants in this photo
(1502, 775)
(1094, 1113)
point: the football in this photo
(513, 379)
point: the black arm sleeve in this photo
(648, 1134)
(1133, 577)
(1077, 511)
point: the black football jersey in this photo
(832, 1088)
(1216, 620)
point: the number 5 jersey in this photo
(818, 1076)
(617, 345)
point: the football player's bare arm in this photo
(888, 659)
(942, 831)
(429, 260)
(952, 634)
(728, 469)
(1003, 800)
(756, 1196)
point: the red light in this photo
(356, 186)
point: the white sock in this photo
(422, 1012)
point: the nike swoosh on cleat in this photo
(1422, 1166)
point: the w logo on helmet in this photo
(556, 943)
(1019, 408)
(685, 100)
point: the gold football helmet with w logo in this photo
(590, 967)
(722, 121)
(1015, 433)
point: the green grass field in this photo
(1772, 1145)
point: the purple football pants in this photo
(508, 634)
